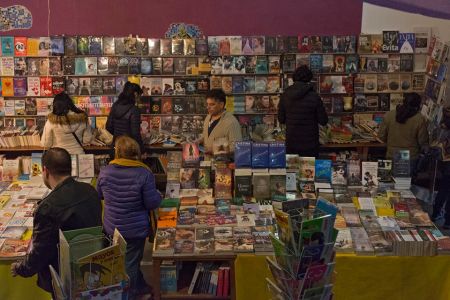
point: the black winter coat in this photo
(302, 110)
(125, 119)
(71, 205)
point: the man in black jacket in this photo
(70, 205)
(302, 110)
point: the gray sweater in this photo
(228, 127)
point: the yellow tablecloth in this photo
(362, 277)
(18, 288)
(357, 277)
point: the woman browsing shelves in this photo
(128, 189)
(66, 127)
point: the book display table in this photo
(357, 277)
(361, 277)
(16, 288)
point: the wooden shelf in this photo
(349, 145)
(185, 278)
(195, 257)
(193, 296)
(37, 148)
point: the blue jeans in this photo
(135, 252)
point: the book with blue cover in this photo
(277, 155)
(406, 42)
(7, 45)
(323, 170)
(243, 154)
(315, 63)
(260, 155)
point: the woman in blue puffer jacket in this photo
(128, 188)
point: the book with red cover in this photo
(226, 282)
(46, 86)
(220, 282)
(20, 46)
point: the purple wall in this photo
(151, 18)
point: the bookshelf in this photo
(253, 77)
(157, 260)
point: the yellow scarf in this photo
(128, 163)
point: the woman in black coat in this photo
(125, 117)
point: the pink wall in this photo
(151, 18)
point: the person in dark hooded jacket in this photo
(125, 118)
(302, 110)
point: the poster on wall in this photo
(15, 17)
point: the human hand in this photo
(14, 269)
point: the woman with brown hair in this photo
(128, 188)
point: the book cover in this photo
(406, 42)
(384, 170)
(55, 66)
(278, 184)
(7, 45)
(364, 44)
(20, 86)
(226, 84)
(7, 86)
(235, 45)
(10, 169)
(401, 164)
(156, 87)
(188, 178)
(354, 172)
(339, 176)
(191, 155)
(322, 170)
(243, 183)
(166, 46)
(238, 84)
(166, 106)
(222, 186)
(68, 66)
(250, 64)
(351, 64)
(109, 86)
(7, 66)
(130, 45)
(82, 45)
(369, 172)
(261, 65)
(70, 45)
(154, 47)
(86, 166)
(260, 155)
(179, 86)
(261, 84)
(277, 155)
(178, 107)
(315, 63)
(390, 42)
(57, 45)
(19, 108)
(189, 46)
(422, 39)
(32, 46)
(243, 154)
(134, 65)
(394, 83)
(165, 241)
(20, 67)
(107, 45)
